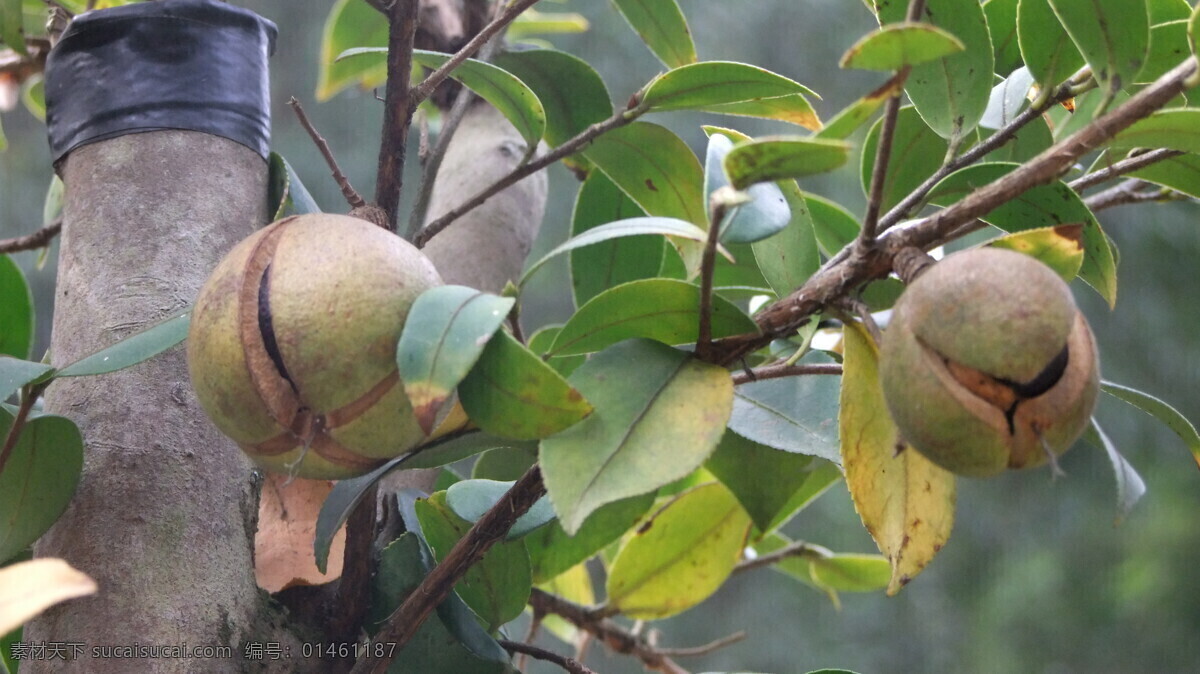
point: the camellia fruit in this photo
(292, 345)
(987, 364)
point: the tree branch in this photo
(489, 530)
(707, 263)
(397, 111)
(38, 239)
(352, 196)
(1129, 192)
(566, 663)
(1120, 168)
(780, 370)
(796, 549)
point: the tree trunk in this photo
(165, 512)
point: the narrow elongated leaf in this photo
(762, 216)
(896, 45)
(513, 394)
(286, 195)
(1044, 206)
(917, 152)
(133, 349)
(950, 92)
(679, 229)
(16, 311)
(350, 24)
(793, 414)
(553, 551)
(683, 555)
(1113, 35)
(662, 26)
(532, 22)
(700, 86)
(792, 108)
(655, 168)
(1177, 129)
(665, 310)
(851, 572)
(905, 501)
(15, 373)
(1048, 51)
(853, 116)
(1060, 248)
(28, 588)
(497, 586)
(774, 158)
(658, 415)
(38, 479)
(599, 267)
(1130, 487)
(444, 334)
(471, 499)
(1169, 416)
(342, 500)
(763, 479)
(1002, 24)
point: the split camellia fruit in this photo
(292, 349)
(987, 363)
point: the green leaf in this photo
(655, 168)
(38, 480)
(774, 158)
(350, 24)
(614, 230)
(505, 464)
(1169, 46)
(917, 153)
(1162, 11)
(599, 267)
(857, 113)
(821, 476)
(15, 373)
(851, 572)
(341, 501)
(11, 32)
(16, 312)
(681, 556)
(540, 343)
(896, 45)
(533, 22)
(33, 96)
(1113, 35)
(793, 109)
(763, 479)
(950, 92)
(905, 501)
(1046, 47)
(1030, 141)
(712, 86)
(661, 25)
(471, 499)
(497, 586)
(665, 310)
(1130, 487)
(793, 414)
(1176, 129)
(286, 195)
(443, 336)
(1002, 24)
(133, 349)
(1043, 206)
(513, 394)
(53, 204)
(1160, 410)
(1060, 248)
(790, 257)
(455, 447)
(834, 226)
(658, 415)
(764, 215)
(1007, 100)
(552, 551)
(1180, 173)
(1194, 30)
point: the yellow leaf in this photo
(575, 585)
(1060, 248)
(28, 588)
(905, 502)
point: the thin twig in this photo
(795, 549)
(489, 530)
(1129, 192)
(358, 571)
(707, 264)
(705, 649)
(1120, 168)
(563, 661)
(426, 87)
(780, 370)
(39, 239)
(352, 196)
(883, 155)
(397, 113)
(433, 160)
(28, 398)
(567, 149)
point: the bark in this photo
(165, 512)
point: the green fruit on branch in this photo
(987, 363)
(292, 349)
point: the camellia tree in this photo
(739, 345)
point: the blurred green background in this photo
(1035, 577)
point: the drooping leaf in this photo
(895, 45)
(497, 586)
(1046, 47)
(1130, 487)
(834, 226)
(342, 500)
(662, 26)
(444, 334)
(471, 499)
(847, 572)
(15, 373)
(793, 414)
(286, 195)
(1176, 129)
(662, 309)
(917, 152)
(28, 588)
(1180, 173)
(761, 478)
(1060, 248)
(1169, 416)
(681, 556)
(1007, 100)
(853, 116)
(773, 158)
(658, 415)
(16, 312)
(511, 393)
(655, 168)
(599, 267)
(1043, 206)
(1002, 24)
(905, 501)
(38, 480)
(764, 215)
(553, 551)
(1112, 35)
(679, 229)
(133, 349)
(950, 92)
(712, 86)
(350, 24)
